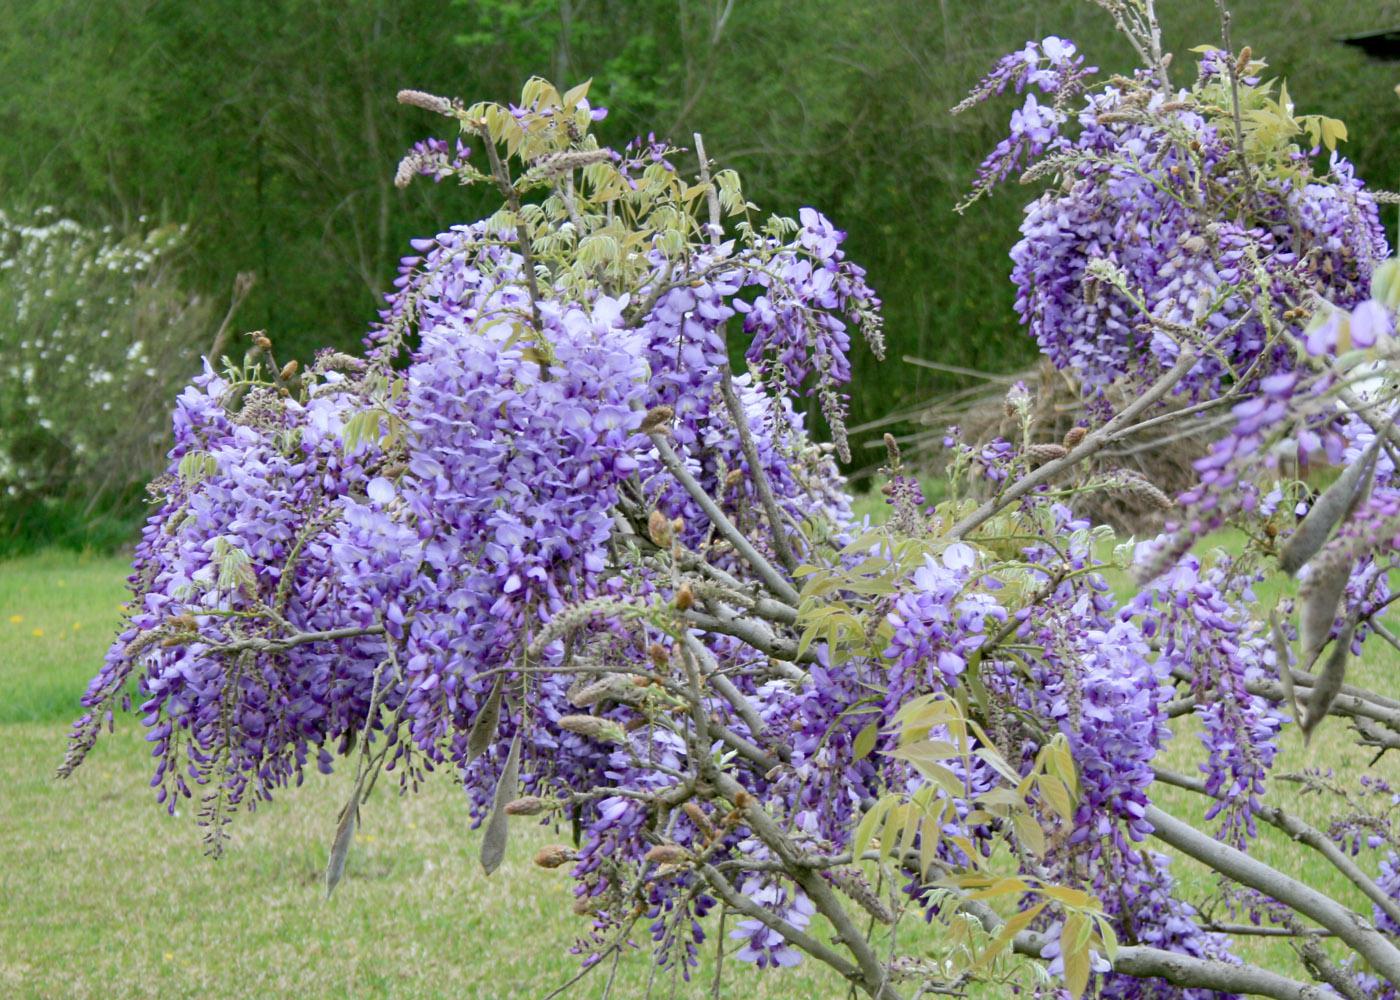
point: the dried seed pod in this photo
(658, 418)
(554, 856)
(667, 854)
(526, 805)
(1329, 682)
(659, 529)
(1333, 506)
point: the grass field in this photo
(105, 896)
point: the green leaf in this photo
(865, 740)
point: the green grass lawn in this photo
(105, 896)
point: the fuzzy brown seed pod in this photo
(658, 418)
(426, 101)
(526, 805)
(667, 854)
(685, 597)
(1074, 436)
(591, 726)
(554, 856)
(1039, 453)
(701, 821)
(288, 370)
(659, 528)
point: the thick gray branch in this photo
(1350, 927)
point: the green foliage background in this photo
(270, 127)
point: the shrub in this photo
(97, 334)
(541, 533)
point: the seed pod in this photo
(667, 854)
(493, 841)
(1285, 665)
(1321, 595)
(1073, 436)
(483, 731)
(657, 419)
(554, 855)
(1335, 503)
(526, 805)
(659, 528)
(1329, 682)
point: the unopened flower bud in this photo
(667, 854)
(526, 805)
(1046, 452)
(659, 528)
(591, 726)
(698, 817)
(657, 419)
(426, 101)
(553, 856)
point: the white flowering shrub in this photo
(96, 332)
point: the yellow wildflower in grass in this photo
(16, 619)
(38, 633)
(77, 625)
